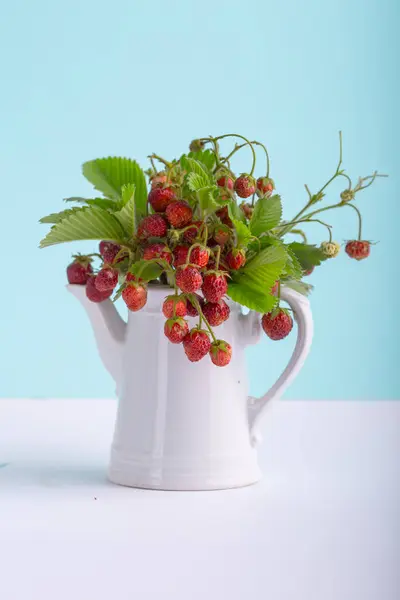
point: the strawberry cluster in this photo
(181, 242)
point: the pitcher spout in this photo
(109, 330)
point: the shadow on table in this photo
(51, 476)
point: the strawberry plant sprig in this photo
(191, 234)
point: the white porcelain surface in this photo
(182, 425)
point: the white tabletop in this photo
(324, 523)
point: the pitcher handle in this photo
(302, 315)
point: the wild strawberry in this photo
(135, 297)
(106, 279)
(132, 277)
(277, 324)
(216, 312)
(347, 195)
(236, 259)
(223, 214)
(196, 145)
(152, 226)
(179, 214)
(192, 232)
(214, 286)
(247, 209)
(158, 250)
(199, 256)
(358, 249)
(160, 198)
(191, 309)
(221, 234)
(307, 272)
(196, 344)
(80, 270)
(93, 293)
(265, 186)
(180, 255)
(245, 186)
(158, 179)
(188, 279)
(109, 251)
(275, 288)
(176, 329)
(330, 249)
(221, 353)
(225, 182)
(174, 306)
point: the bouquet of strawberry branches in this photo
(206, 233)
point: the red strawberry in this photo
(106, 279)
(79, 271)
(225, 182)
(199, 256)
(178, 214)
(188, 279)
(135, 297)
(176, 329)
(158, 179)
(93, 293)
(191, 309)
(308, 271)
(247, 209)
(275, 287)
(221, 353)
(109, 251)
(180, 255)
(221, 234)
(132, 277)
(192, 232)
(223, 214)
(174, 306)
(160, 198)
(265, 186)
(277, 324)
(216, 312)
(152, 226)
(196, 344)
(236, 259)
(158, 250)
(214, 286)
(245, 186)
(358, 249)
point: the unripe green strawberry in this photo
(330, 249)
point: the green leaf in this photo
(298, 286)
(190, 165)
(87, 223)
(307, 255)
(205, 157)
(208, 198)
(127, 215)
(293, 266)
(76, 199)
(267, 214)
(251, 286)
(243, 234)
(268, 256)
(57, 217)
(104, 203)
(108, 175)
(146, 269)
(196, 182)
(235, 212)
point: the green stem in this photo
(218, 258)
(359, 218)
(266, 154)
(196, 303)
(220, 137)
(301, 233)
(160, 159)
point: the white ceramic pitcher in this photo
(183, 425)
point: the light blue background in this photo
(85, 79)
